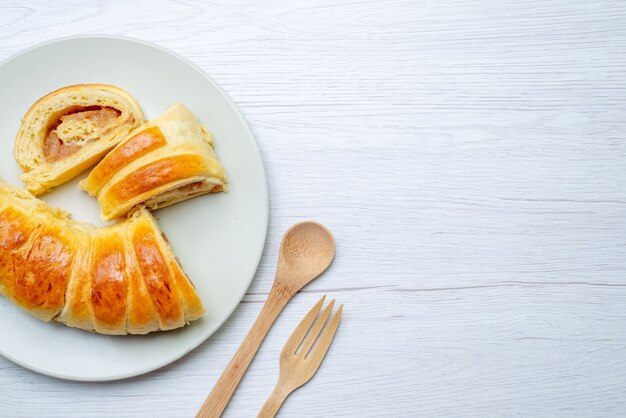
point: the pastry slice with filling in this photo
(165, 161)
(70, 130)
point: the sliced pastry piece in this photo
(70, 130)
(36, 259)
(119, 279)
(172, 293)
(165, 161)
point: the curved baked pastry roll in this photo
(165, 161)
(120, 279)
(71, 129)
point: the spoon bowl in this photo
(306, 251)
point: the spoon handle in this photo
(223, 390)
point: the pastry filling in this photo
(75, 128)
(191, 187)
(183, 192)
(198, 186)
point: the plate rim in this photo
(265, 208)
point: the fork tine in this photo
(317, 328)
(318, 353)
(296, 337)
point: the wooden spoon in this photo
(306, 250)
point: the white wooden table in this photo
(470, 158)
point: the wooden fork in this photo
(300, 360)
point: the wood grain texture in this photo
(303, 354)
(306, 251)
(469, 158)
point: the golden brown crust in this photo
(108, 285)
(142, 316)
(114, 280)
(78, 311)
(49, 265)
(190, 300)
(13, 229)
(156, 275)
(35, 271)
(154, 165)
(191, 303)
(153, 175)
(133, 148)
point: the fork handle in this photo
(223, 390)
(274, 402)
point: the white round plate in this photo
(219, 238)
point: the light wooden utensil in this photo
(299, 359)
(306, 250)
